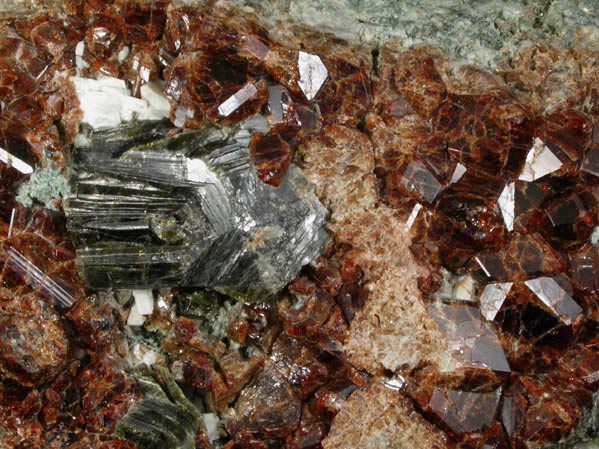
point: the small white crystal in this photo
(144, 355)
(395, 383)
(144, 73)
(463, 289)
(313, 74)
(123, 54)
(106, 102)
(81, 63)
(555, 298)
(492, 299)
(153, 95)
(458, 173)
(211, 422)
(135, 318)
(540, 161)
(144, 301)
(15, 162)
(181, 115)
(594, 238)
(79, 48)
(507, 205)
(413, 215)
(232, 103)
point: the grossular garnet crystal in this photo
(453, 304)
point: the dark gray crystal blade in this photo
(188, 210)
(164, 418)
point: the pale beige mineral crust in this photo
(393, 331)
(379, 417)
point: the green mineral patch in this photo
(46, 186)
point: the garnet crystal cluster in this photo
(274, 238)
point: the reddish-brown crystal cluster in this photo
(51, 394)
(457, 305)
(507, 202)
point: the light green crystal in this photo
(46, 185)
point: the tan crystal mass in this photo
(387, 421)
(393, 331)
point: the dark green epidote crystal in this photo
(164, 418)
(149, 208)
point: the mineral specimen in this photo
(451, 302)
(188, 210)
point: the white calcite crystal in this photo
(79, 51)
(135, 317)
(144, 300)
(142, 354)
(123, 54)
(540, 161)
(106, 102)
(312, 74)
(152, 93)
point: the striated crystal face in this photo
(188, 210)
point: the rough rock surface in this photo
(388, 420)
(393, 331)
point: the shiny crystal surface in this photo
(224, 228)
(471, 341)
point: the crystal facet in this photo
(312, 74)
(472, 342)
(540, 161)
(463, 411)
(492, 299)
(417, 177)
(455, 304)
(507, 205)
(556, 299)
